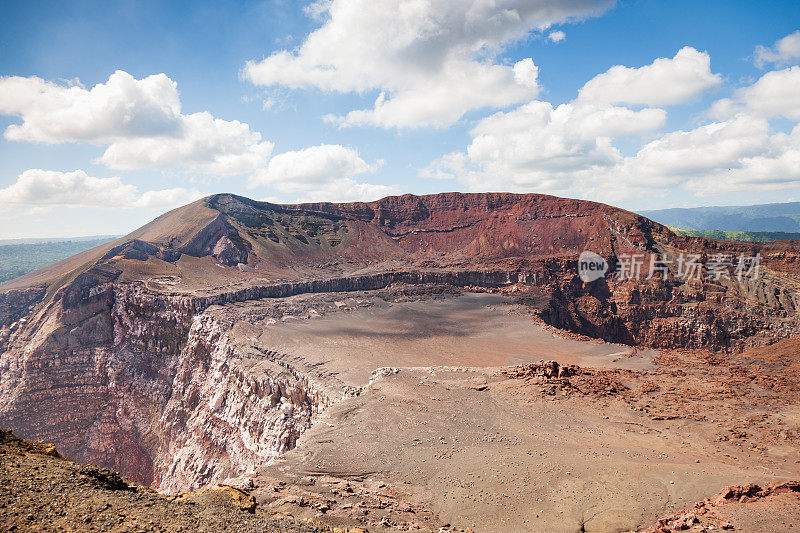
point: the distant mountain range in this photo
(783, 217)
(39, 240)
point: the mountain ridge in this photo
(774, 217)
(273, 237)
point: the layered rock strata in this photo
(119, 357)
(149, 384)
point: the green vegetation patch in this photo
(19, 259)
(751, 236)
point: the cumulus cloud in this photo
(571, 148)
(711, 149)
(139, 120)
(431, 61)
(207, 144)
(48, 187)
(557, 36)
(663, 82)
(558, 138)
(167, 198)
(526, 73)
(739, 154)
(123, 107)
(775, 94)
(41, 188)
(323, 172)
(297, 169)
(537, 146)
(348, 190)
(784, 52)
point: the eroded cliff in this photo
(147, 384)
(123, 358)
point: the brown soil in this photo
(546, 447)
(42, 491)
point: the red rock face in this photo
(114, 356)
(706, 513)
(466, 228)
(668, 315)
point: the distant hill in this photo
(784, 217)
(38, 240)
(752, 236)
(20, 256)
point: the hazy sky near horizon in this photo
(113, 112)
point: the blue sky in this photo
(688, 129)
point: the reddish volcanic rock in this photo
(128, 331)
(709, 514)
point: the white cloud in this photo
(708, 150)
(432, 61)
(526, 73)
(323, 172)
(663, 82)
(348, 190)
(557, 36)
(140, 120)
(775, 94)
(740, 154)
(121, 108)
(209, 145)
(571, 149)
(454, 165)
(41, 188)
(538, 147)
(560, 138)
(167, 198)
(784, 52)
(48, 187)
(297, 169)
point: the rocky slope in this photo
(42, 491)
(122, 357)
(746, 503)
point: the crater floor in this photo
(345, 338)
(450, 434)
